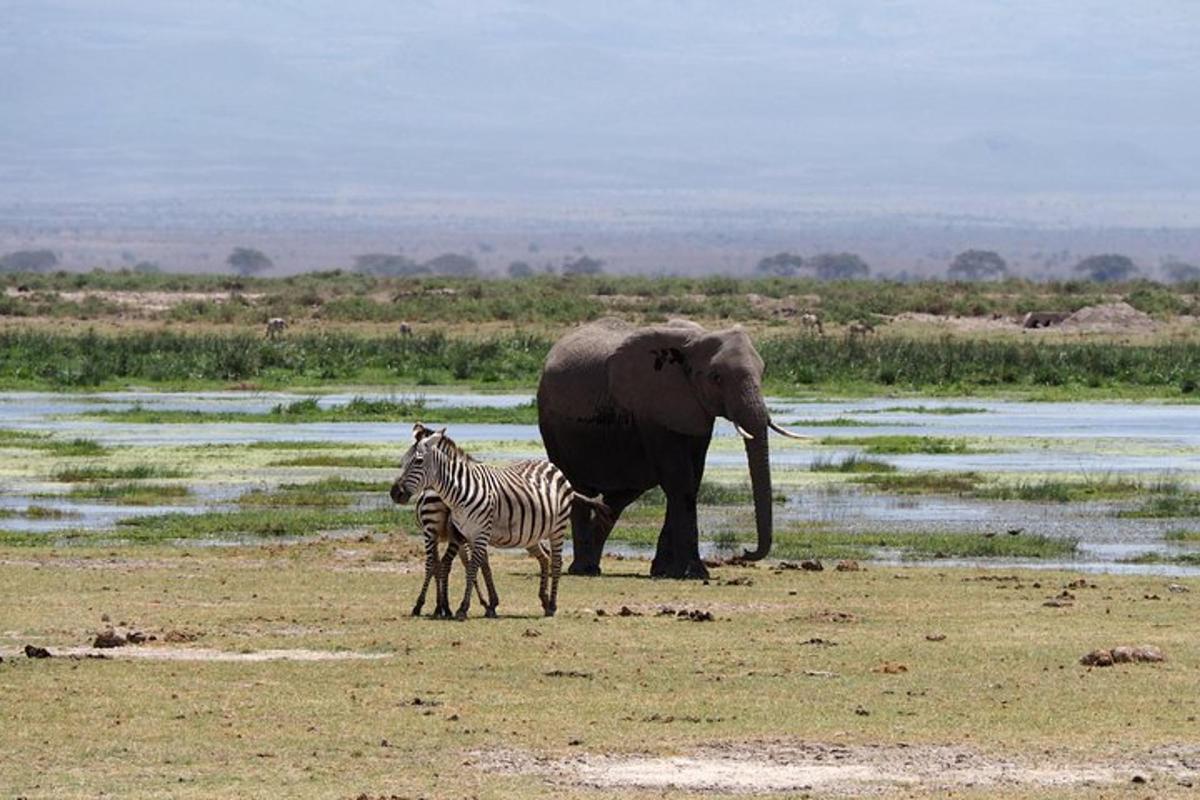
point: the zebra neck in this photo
(456, 480)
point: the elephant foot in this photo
(691, 570)
(580, 568)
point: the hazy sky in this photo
(1084, 104)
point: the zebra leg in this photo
(556, 548)
(478, 560)
(487, 577)
(544, 568)
(493, 596)
(431, 571)
(443, 587)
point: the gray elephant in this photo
(623, 409)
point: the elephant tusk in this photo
(784, 431)
(745, 434)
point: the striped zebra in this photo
(434, 517)
(520, 505)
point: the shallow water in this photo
(1140, 438)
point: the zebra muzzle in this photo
(399, 495)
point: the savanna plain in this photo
(951, 539)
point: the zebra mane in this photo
(451, 448)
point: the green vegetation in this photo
(925, 482)
(134, 494)
(710, 494)
(1150, 557)
(61, 447)
(901, 444)
(1165, 506)
(1182, 535)
(1055, 490)
(359, 409)
(252, 523)
(328, 492)
(922, 409)
(852, 463)
(339, 460)
(134, 473)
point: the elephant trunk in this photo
(755, 419)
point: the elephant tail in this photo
(604, 514)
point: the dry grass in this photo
(1004, 679)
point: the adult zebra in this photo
(519, 505)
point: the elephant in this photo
(623, 409)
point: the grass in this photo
(925, 482)
(134, 494)
(134, 473)
(852, 463)
(1166, 506)
(256, 523)
(328, 492)
(710, 494)
(1057, 490)
(339, 460)
(901, 444)
(220, 729)
(923, 409)
(359, 409)
(1182, 535)
(62, 447)
(819, 543)
(1182, 559)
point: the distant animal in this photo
(405, 329)
(520, 505)
(1044, 319)
(434, 517)
(22, 289)
(275, 326)
(811, 321)
(859, 328)
(1015, 531)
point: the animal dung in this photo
(1123, 654)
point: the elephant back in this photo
(574, 382)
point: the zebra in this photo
(434, 517)
(518, 505)
(276, 326)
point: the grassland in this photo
(484, 708)
(495, 334)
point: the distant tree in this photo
(28, 261)
(977, 265)
(1107, 268)
(147, 268)
(519, 269)
(780, 265)
(838, 266)
(248, 261)
(1181, 272)
(387, 264)
(454, 264)
(584, 265)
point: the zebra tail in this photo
(603, 512)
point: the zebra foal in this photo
(520, 505)
(434, 517)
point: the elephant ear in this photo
(650, 375)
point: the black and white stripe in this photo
(527, 504)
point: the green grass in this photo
(836, 422)
(1056, 490)
(137, 472)
(901, 444)
(359, 409)
(1182, 535)
(710, 494)
(925, 482)
(1182, 504)
(328, 492)
(134, 494)
(922, 409)
(339, 460)
(1182, 559)
(254, 523)
(853, 463)
(62, 447)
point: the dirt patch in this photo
(151, 653)
(848, 771)
(1109, 318)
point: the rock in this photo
(530, 633)
(1177, 588)
(1097, 658)
(109, 638)
(135, 637)
(1122, 655)
(935, 637)
(847, 565)
(32, 651)
(812, 565)
(1058, 602)
(626, 611)
(179, 637)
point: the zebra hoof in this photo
(491, 612)
(416, 612)
(549, 610)
(461, 615)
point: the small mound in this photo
(1110, 318)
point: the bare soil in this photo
(850, 770)
(155, 653)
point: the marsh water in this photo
(1072, 440)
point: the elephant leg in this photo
(681, 461)
(595, 532)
